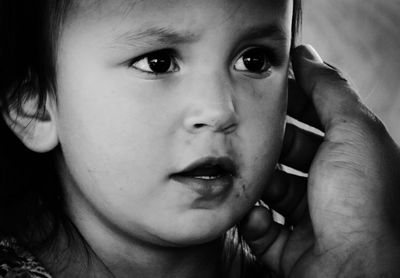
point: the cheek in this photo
(111, 132)
(261, 136)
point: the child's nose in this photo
(212, 107)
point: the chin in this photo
(198, 230)
(186, 240)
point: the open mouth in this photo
(209, 177)
(209, 168)
(207, 172)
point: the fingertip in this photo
(256, 223)
(308, 52)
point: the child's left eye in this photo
(160, 62)
(254, 60)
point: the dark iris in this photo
(255, 60)
(159, 62)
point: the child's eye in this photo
(254, 60)
(160, 62)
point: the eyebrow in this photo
(273, 31)
(155, 35)
(167, 36)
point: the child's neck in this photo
(102, 258)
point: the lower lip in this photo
(209, 189)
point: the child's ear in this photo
(38, 131)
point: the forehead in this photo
(107, 6)
(184, 13)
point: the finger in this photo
(301, 107)
(287, 194)
(266, 238)
(299, 147)
(332, 96)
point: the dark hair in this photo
(31, 199)
(30, 192)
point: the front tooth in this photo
(205, 177)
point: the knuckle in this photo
(328, 77)
(363, 118)
(334, 88)
(358, 125)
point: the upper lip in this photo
(226, 165)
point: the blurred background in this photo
(362, 38)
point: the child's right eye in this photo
(160, 62)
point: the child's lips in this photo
(209, 187)
(210, 166)
(210, 177)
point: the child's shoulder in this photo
(16, 262)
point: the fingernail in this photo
(310, 53)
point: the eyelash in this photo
(168, 54)
(149, 62)
(259, 54)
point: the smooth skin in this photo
(344, 218)
(124, 129)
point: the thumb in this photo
(331, 94)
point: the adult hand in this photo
(343, 220)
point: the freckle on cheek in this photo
(241, 192)
(244, 191)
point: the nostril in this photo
(197, 126)
(230, 128)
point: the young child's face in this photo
(146, 89)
